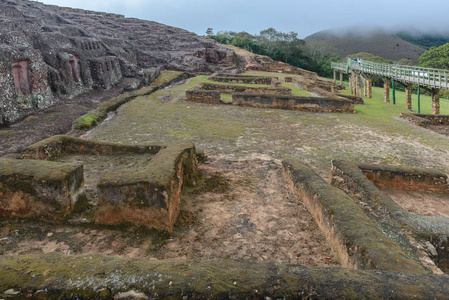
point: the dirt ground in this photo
(421, 203)
(441, 129)
(243, 210)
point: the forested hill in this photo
(387, 45)
(425, 40)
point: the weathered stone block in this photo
(150, 195)
(243, 79)
(359, 242)
(426, 119)
(353, 98)
(38, 188)
(406, 178)
(314, 104)
(229, 89)
(195, 95)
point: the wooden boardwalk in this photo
(425, 77)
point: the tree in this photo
(320, 50)
(436, 57)
(277, 45)
(210, 32)
(406, 62)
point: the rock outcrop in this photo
(49, 53)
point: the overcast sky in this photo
(302, 16)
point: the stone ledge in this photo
(313, 104)
(195, 95)
(244, 79)
(150, 195)
(406, 178)
(353, 98)
(30, 188)
(55, 146)
(229, 89)
(426, 119)
(354, 237)
(399, 224)
(102, 277)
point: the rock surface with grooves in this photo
(48, 53)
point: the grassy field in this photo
(374, 134)
(426, 100)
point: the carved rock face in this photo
(49, 52)
(21, 74)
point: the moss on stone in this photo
(68, 276)
(354, 236)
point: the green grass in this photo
(226, 97)
(374, 134)
(296, 91)
(426, 100)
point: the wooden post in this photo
(436, 101)
(341, 78)
(408, 96)
(387, 83)
(335, 76)
(357, 83)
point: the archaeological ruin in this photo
(194, 172)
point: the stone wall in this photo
(205, 96)
(314, 104)
(33, 188)
(353, 98)
(412, 232)
(406, 178)
(32, 184)
(243, 79)
(150, 195)
(426, 119)
(355, 238)
(229, 89)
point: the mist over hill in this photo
(390, 44)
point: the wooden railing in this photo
(426, 77)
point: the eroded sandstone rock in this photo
(49, 53)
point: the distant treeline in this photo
(317, 55)
(285, 47)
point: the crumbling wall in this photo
(229, 89)
(243, 79)
(314, 104)
(196, 95)
(426, 119)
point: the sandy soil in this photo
(243, 211)
(421, 203)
